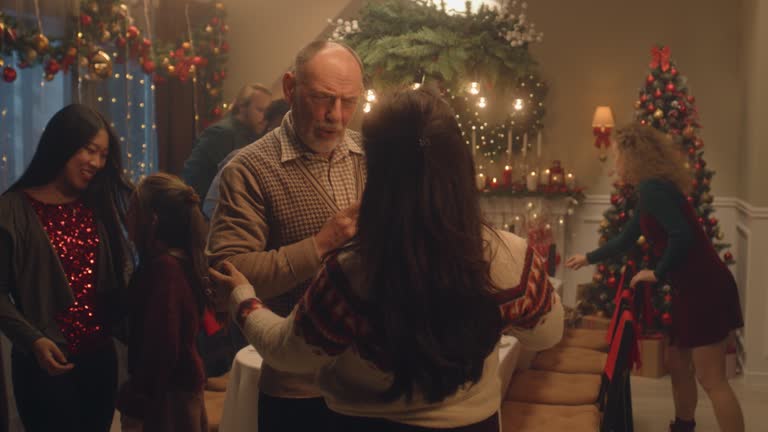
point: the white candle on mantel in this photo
(474, 143)
(531, 182)
(545, 177)
(570, 180)
(509, 144)
(538, 145)
(525, 143)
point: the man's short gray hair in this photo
(310, 51)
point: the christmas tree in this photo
(663, 102)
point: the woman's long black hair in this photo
(69, 130)
(420, 239)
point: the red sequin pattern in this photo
(71, 229)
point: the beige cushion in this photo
(570, 360)
(214, 407)
(525, 417)
(217, 384)
(553, 388)
(585, 338)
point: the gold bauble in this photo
(101, 65)
(49, 77)
(604, 224)
(187, 46)
(638, 104)
(71, 52)
(166, 61)
(688, 132)
(720, 235)
(30, 56)
(171, 69)
(192, 69)
(93, 7)
(40, 42)
(105, 35)
(659, 114)
(208, 29)
(219, 6)
(641, 240)
(214, 92)
(2, 62)
(216, 50)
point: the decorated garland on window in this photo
(104, 34)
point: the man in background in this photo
(273, 116)
(242, 125)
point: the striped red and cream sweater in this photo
(328, 335)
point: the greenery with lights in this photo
(103, 34)
(480, 59)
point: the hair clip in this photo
(424, 142)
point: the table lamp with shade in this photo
(602, 124)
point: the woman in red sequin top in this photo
(165, 389)
(63, 265)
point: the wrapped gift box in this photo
(652, 356)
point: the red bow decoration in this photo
(603, 136)
(660, 56)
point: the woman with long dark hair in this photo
(167, 301)
(64, 261)
(401, 326)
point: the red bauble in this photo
(701, 221)
(713, 221)
(728, 256)
(601, 268)
(216, 112)
(146, 43)
(203, 62)
(120, 42)
(222, 74)
(611, 282)
(614, 199)
(215, 21)
(650, 79)
(197, 60)
(691, 99)
(148, 66)
(644, 98)
(673, 72)
(668, 298)
(650, 108)
(666, 318)
(683, 109)
(9, 74)
(52, 67)
(691, 151)
(690, 199)
(670, 88)
(622, 216)
(132, 32)
(699, 143)
(85, 19)
(224, 47)
(698, 166)
(657, 94)
(626, 294)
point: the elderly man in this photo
(242, 125)
(288, 199)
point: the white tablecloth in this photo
(241, 403)
(242, 400)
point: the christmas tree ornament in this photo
(641, 240)
(9, 74)
(658, 114)
(40, 43)
(670, 88)
(728, 256)
(101, 65)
